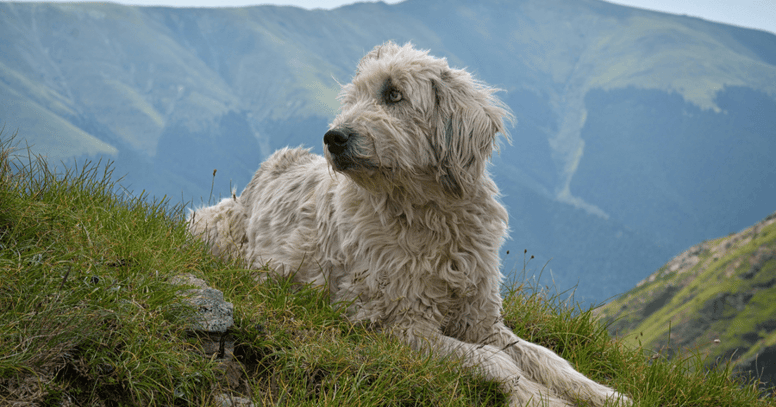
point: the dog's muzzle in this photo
(336, 141)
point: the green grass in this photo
(686, 320)
(88, 317)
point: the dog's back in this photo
(222, 226)
(278, 218)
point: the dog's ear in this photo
(468, 118)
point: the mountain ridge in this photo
(716, 296)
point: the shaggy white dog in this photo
(401, 219)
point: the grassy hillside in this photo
(89, 317)
(717, 297)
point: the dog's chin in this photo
(340, 164)
(349, 165)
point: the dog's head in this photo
(409, 118)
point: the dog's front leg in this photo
(488, 360)
(546, 367)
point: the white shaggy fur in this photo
(401, 219)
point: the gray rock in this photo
(225, 400)
(214, 314)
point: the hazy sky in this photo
(759, 14)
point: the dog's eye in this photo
(394, 96)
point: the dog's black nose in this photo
(336, 141)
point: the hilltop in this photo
(92, 314)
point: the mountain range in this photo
(638, 133)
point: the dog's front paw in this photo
(596, 394)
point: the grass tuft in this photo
(88, 317)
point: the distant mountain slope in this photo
(639, 133)
(717, 297)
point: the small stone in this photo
(225, 400)
(214, 314)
